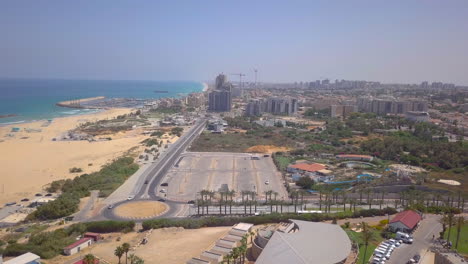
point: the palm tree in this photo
(227, 258)
(460, 223)
(89, 259)
(119, 252)
(367, 236)
(231, 195)
(275, 194)
(135, 259)
(126, 248)
(450, 220)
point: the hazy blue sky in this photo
(389, 41)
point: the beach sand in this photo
(30, 161)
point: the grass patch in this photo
(282, 161)
(463, 241)
(357, 238)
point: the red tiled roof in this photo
(91, 234)
(308, 167)
(409, 218)
(77, 243)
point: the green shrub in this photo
(257, 220)
(109, 178)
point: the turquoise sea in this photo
(35, 99)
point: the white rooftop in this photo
(23, 259)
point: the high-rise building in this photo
(281, 106)
(255, 108)
(342, 110)
(220, 99)
(390, 106)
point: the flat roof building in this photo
(26, 258)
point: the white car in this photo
(267, 182)
(131, 197)
(163, 190)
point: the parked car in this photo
(110, 206)
(161, 200)
(191, 202)
(146, 182)
(25, 200)
(10, 204)
(163, 190)
(130, 197)
(267, 182)
(38, 194)
(48, 195)
(164, 184)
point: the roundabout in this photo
(142, 209)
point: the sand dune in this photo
(29, 161)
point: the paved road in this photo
(155, 173)
(429, 226)
(83, 214)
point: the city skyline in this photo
(396, 42)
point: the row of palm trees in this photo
(124, 249)
(364, 196)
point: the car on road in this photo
(25, 200)
(164, 184)
(191, 202)
(266, 155)
(38, 194)
(163, 190)
(10, 204)
(267, 182)
(49, 194)
(161, 200)
(110, 206)
(146, 182)
(130, 197)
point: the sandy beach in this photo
(30, 159)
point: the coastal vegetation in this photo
(50, 244)
(106, 180)
(260, 219)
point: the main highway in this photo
(154, 174)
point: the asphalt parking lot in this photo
(197, 171)
(429, 226)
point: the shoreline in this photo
(32, 157)
(205, 87)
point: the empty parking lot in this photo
(211, 171)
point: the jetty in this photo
(78, 102)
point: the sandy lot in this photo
(266, 149)
(29, 161)
(140, 209)
(167, 245)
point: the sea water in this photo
(31, 100)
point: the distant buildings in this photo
(255, 108)
(273, 105)
(342, 110)
(417, 116)
(390, 106)
(220, 99)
